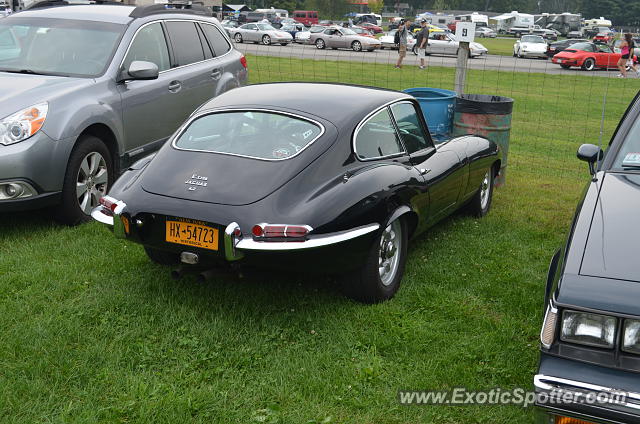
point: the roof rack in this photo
(56, 3)
(169, 7)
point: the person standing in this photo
(422, 41)
(402, 36)
(626, 48)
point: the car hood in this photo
(615, 230)
(225, 179)
(18, 91)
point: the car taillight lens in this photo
(280, 231)
(243, 61)
(108, 203)
(568, 420)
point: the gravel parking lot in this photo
(489, 62)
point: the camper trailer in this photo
(502, 23)
(280, 13)
(561, 22)
(601, 22)
(478, 18)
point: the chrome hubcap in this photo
(91, 183)
(484, 191)
(388, 257)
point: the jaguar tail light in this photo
(109, 203)
(280, 231)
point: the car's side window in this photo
(185, 42)
(149, 45)
(377, 137)
(411, 129)
(217, 41)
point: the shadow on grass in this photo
(20, 223)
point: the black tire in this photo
(414, 50)
(365, 284)
(356, 46)
(479, 205)
(589, 64)
(161, 257)
(266, 40)
(320, 44)
(238, 38)
(69, 212)
(284, 44)
(565, 66)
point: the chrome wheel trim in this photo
(320, 44)
(91, 181)
(357, 46)
(484, 190)
(266, 40)
(389, 252)
(238, 38)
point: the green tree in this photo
(376, 5)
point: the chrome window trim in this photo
(126, 53)
(364, 121)
(424, 128)
(183, 128)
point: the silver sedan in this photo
(343, 38)
(260, 33)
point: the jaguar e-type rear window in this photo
(253, 134)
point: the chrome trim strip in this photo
(312, 242)
(101, 217)
(550, 309)
(547, 383)
(364, 121)
(184, 127)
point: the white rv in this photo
(602, 22)
(502, 23)
(478, 18)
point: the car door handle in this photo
(175, 86)
(424, 171)
(216, 74)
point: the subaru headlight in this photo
(23, 124)
(588, 329)
(631, 336)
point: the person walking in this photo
(422, 41)
(401, 38)
(626, 48)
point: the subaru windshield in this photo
(62, 47)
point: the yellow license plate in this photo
(191, 233)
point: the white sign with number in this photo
(465, 31)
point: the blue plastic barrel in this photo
(437, 107)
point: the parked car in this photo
(303, 37)
(306, 17)
(574, 34)
(558, 46)
(372, 27)
(546, 33)
(89, 89)
(519, 31)
(228, 23)
(604, 37)
(5, 10)
(260, 33)
(362, 31)
(530, 46)
(485, 32)
(343, 38)
(588, 56)
(590, 338)
(320, 189)
(387, 41)
(293, 29)
(446, 43)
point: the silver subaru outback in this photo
(87, 90)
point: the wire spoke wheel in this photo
(388, 253)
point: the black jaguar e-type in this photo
(259, 176)
(590, 340)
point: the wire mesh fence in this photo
(555, 109)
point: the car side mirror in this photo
(590, 153)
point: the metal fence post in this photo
(461, 66)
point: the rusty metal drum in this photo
(487, 116)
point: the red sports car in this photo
(587, 56)
(362, 31)
(603, 37)
(375, 28)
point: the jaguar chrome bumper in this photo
(608, 404)
(111, 217)
(234, 246)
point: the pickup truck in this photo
(519, 30)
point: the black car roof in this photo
(336, 103)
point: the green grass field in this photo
(93, 332)
(500, 46)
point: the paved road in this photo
(490, 62)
